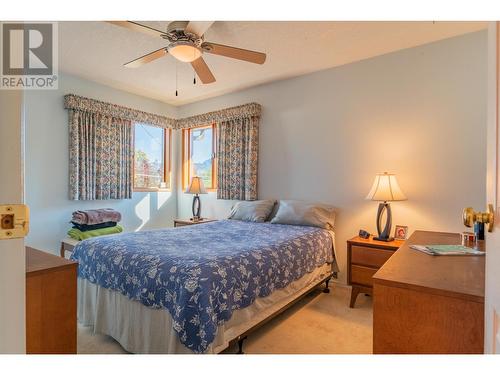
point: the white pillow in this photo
(257, 211)
(304, 213)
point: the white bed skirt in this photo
(140, 329)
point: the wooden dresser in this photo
(429, 304)
(50, 304)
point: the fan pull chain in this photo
(194, 73)
(176, 87)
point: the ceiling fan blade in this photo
(147, 58)
(198, 27)
(234, 53)
(138, 27)
(202, 70)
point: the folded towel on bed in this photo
(79, 235)
(99, 216)
(86, 227)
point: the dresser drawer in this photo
(362, 275)
(369, 256)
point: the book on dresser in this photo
(447, 250)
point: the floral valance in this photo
(80, 103)
(242, 111)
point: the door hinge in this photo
(14, 221)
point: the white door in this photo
(12, 254)
(492, 303)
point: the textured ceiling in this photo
(98, 50)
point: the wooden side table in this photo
(184, 222)
(364, 258)
(67, 244)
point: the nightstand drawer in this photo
(362, 275)
(368, 256)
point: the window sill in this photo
(151, 190)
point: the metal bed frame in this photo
(243, 336)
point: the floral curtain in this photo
(237, 153)
(101, 155)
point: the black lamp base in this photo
(196, 208)
(383, 234)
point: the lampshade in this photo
(196, 186)
(385, 188)
(185, 52)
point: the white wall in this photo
(420, 113)
(47, 165)
(12, 253)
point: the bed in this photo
(197, 289)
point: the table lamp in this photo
(385, 188)
(196, 187)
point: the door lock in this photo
(470, 217)
(14, 221)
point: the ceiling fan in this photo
(187, 44)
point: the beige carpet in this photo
(319, 324)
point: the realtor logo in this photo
(29, 58)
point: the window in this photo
(151, 157)
(199, 158)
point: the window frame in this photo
(167, 161)
(186, 156)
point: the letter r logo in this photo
(27, 49)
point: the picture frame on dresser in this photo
(401, 232)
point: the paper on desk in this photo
(446, 250)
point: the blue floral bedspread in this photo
(202, 273)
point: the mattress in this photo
(140, 329)
(203, 274)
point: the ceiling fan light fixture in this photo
(185, 52)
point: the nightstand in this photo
(67, 245)
(364, 258)
(184, 222)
